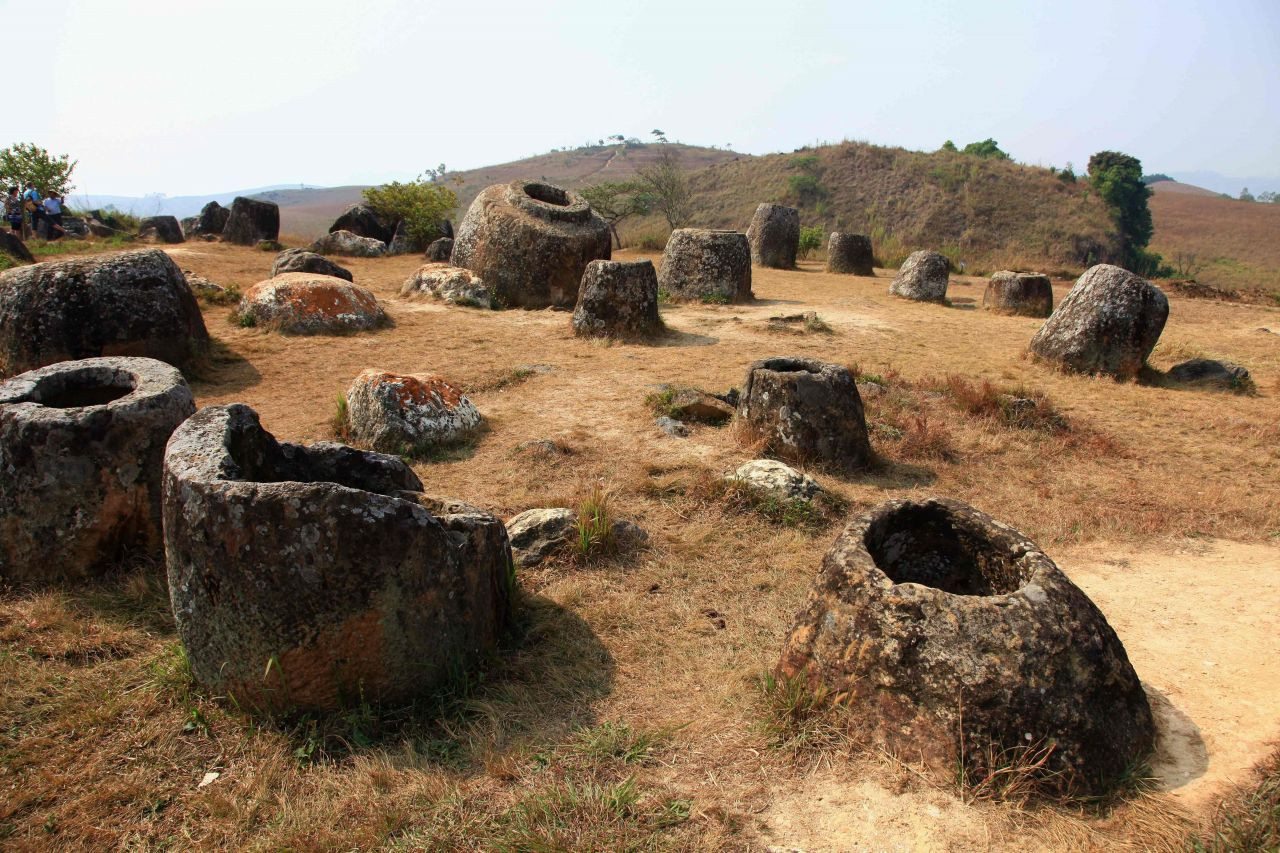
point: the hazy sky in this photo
(192, 96)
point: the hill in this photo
(161, 205)
(1178, 187)
(307, 213)
(1219, 241)
(986, 213)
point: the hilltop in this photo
(988, 213)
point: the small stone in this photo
(347, 243)
(303, 260)
(452, 284)
(539, 534)
(671, 427)
(1207, 372)
(778, 479)
(690, 404)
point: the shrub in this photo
(422, 205)
(810, 240)
(985, 148)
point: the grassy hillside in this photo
(986, 213)
(308, 213)
(1223, 242)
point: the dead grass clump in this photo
(1250, 818)
(800, 324)
(1019, 407)
(740, 498)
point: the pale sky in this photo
(196, 96)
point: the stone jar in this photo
(618, 299)
(705, 265)
(774, 235)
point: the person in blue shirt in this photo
(31, 200)
(53, 216)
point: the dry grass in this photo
(1229, 244)
(1249, 819)
(104, 741)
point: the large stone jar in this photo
(774, 235)
(618, 299)
(1023, 293)
(805, 411)
(312, 577)
(81, 454)
(530, 243)
(850, 254)
(955, 641)
(705, 265)
(131, 303)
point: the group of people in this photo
(31, 208)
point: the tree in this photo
(23, 161)
(1245, 195)
(1117, 178)
(1270, 197)
(659, 135)
(985, 148)
(422, 205)
(616, 201)
(948, 146)
(668, 188)
(810, 240)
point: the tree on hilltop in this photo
(985, 148)
(23, 161)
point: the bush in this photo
(810, 240)
(422, 206)
(985, 148)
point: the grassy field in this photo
(1229, 244)
(628, 712)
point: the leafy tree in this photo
(659, 135)
(423, 205)
(23, 161)
(667, 186)
(1068, 174)
(1117, 178)
(805, 187)
(616, 201)
(1245, 195)
(1270, 197)
(985, 148)
(810, 240)
(948, 146)
(437, 174)
(1156, 178)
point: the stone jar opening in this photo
(928, 545)
(791, 365)
(76, 389)
(550, 202)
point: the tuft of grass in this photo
(616, 742)
(1250, 818)
(226, 296)
(70, 246)
(340, 422)
(244, 320)
(8, 263)
(270, 246)
(801, 720)
(660, 402)
(594, 527)
(664, 296)
(714, 299)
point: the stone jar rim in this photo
(548, 201)
(73, 387)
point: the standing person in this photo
(53, 216)
(31, 203)
(13, 211)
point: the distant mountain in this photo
(1220, 183)
(161, 205)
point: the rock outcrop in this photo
(315, 577)
(132, 303)
(618, 299)
(160, 229)
(923, 277)
(398, 413)
(440, 251)
(951, 636)
(347, 243)
(452, 284)
(807, 411)
(361, 220)
(704, 265)
(531, 242)
(1109, 323)
(251, 221)
(81, 451)
(1022, 293)
(774, 235)
(303, 260)
(307, 304)
(850, 254)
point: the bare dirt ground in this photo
(1161, 503)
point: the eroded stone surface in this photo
(452, 284)
(1022, 293)
(806, 410)
(539, 534)
(306, 304)
(303, 260)
(778, 479)
(922, 277)
(81, 454)
(251, 221)
(935, 622)
(774, 235)
(849, 254)
(530, 243)
(1109, 323)
(160, 229)
(313, 577)
(394, 412)
(348, 243)
(618, 299)
(440, 251)
(132, 303)
(705, 265)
